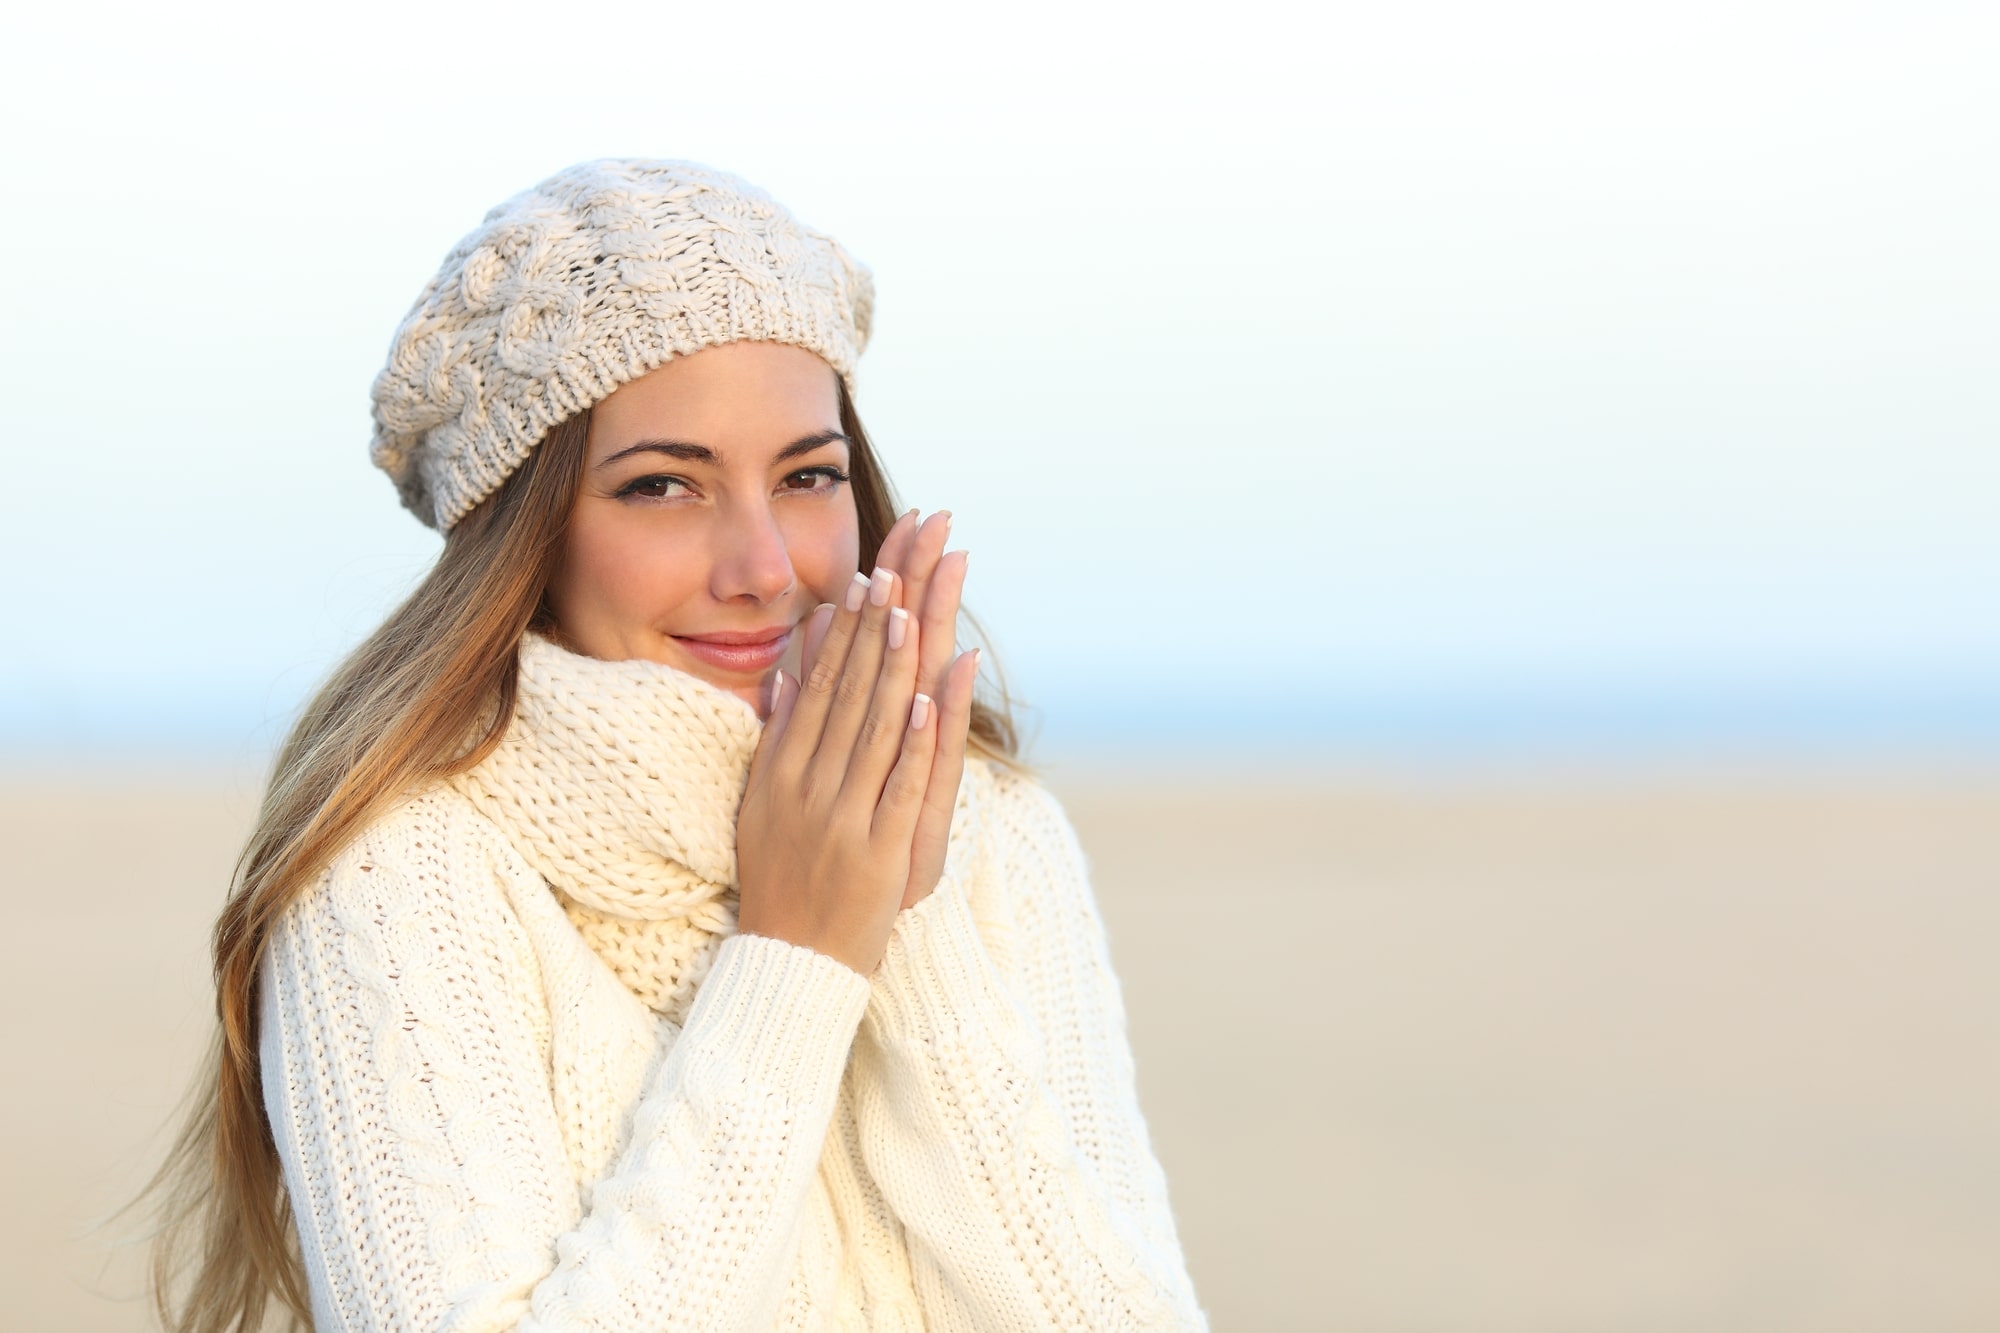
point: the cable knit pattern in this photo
(592, 278)
(523, 1075)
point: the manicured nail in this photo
(857, 590)
(899, 625)
(777, 691)
(920, 712)
(878, 587)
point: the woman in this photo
(628, 939)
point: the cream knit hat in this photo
(590, 279)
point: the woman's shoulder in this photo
(435, 826)
(1029, 827)
(1019, 801)
(432, 857)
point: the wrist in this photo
(857, 955)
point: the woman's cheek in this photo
(637, 570)
(826, 551)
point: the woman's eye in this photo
(810, 481)
(650, 488)
(812, 475)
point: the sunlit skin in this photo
(665, 542)
(713, 501)
(660, 545)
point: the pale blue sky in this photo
(1397, 375)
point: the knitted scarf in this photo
(620, 783)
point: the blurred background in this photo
(1510, 487)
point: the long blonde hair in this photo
(393, 717)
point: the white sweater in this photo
(523, 1074)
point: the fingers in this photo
(920, 575)
(930, 540)
(815, 634)
(912, 550)
(902, 802)
(926, 544)
(930, 838)
(895, 548)
(844, 728)
(937, 623)
(889, 716)
(823, 672)
(781, 696)
(954, 722)
(864, 629)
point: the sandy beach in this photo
(1560, 1053)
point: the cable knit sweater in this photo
(523, 1074)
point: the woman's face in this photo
(713, 507)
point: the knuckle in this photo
(823, 677)
(786, 771)
(854, 689)
(907, 786)
(850, 816)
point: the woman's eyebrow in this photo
(701, 453)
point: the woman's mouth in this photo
(731, 652)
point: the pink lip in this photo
(739, 650)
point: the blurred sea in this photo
(1337, 725)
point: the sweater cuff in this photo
(776, 1015)
(937, 975)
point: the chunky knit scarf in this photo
(620, 782)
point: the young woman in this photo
(646, 928)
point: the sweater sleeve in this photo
(1000, 1114)
(405, 1071)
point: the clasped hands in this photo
(847, 813)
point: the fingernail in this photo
(777, 691)
(857, 590)
(878, 587)
(920, 712)
(899, 625)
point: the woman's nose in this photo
(754, 560)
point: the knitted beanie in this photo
(590, 279)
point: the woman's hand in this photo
(931, 586)
(843, 776)
(936, 582)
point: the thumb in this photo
(780, 697)
(816, 627)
